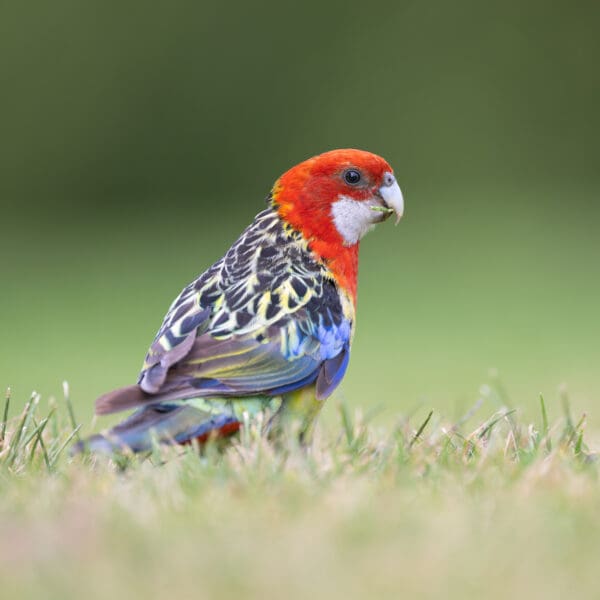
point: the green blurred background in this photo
(138, 139)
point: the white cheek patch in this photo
(352, 218)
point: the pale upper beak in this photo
(392, 196)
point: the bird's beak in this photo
(392, 196)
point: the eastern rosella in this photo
(269, 326)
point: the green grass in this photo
(489, 505)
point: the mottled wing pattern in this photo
(266, 318)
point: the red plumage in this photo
(304, 195)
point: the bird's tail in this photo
(164, 423)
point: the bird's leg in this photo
(297, 415)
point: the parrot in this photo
(268, 328)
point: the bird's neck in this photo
(323, 239)
(342, 262)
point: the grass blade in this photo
(577, 429)
(5, 417)
(421, 429)
(489, 426)
(67, 395)
(566, 404)
(38, 427)
(15, 442)
(545, 426)
(347, 423)
(38, 432)
(56, 455)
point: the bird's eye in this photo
(352, 176)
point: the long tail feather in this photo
(124, 398)
(165, 423)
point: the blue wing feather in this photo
(331, 373)
(242, 366)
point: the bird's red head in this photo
(333, 199)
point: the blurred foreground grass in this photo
(489, 505)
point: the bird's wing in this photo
(265, 319)
(268, 356)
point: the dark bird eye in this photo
(352, 176)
